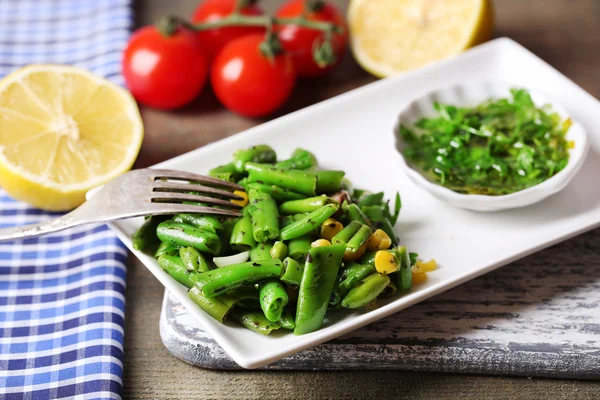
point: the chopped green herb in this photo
(499, 147)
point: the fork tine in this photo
(171, 197)
(188, 176)
(190, 187)
(176, 208)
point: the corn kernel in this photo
(379, 240)
(330, 228)
(320, 243)
(244, 201)
(570, 144)
(385, 262)
(350, 256)
(424, 266)
(418, 277)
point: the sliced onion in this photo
(230, 260)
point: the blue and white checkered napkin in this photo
(61, 296)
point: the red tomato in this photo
(214, 40)
(164, 72)
(246, 82)
(300, 41)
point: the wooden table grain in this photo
(562, 32)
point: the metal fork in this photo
(143, 192)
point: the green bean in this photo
(298, 217)
(320, 273)
(292, 272)
(309, 223)
(404, 274)
(225, 236)
(301, 159)
(265, 216)
(145, 237)
(335, 297)
(194, 260)
(348, 268)
(241, 236)
(379, 219)
(255, 321)
(241, 295)
(368, 258)
(370, 199)
(305, 205)
(354, 213)
(298, 247)
(226, 172)
(214, 307)
(277, 193)
(261, 252)
(259, 154)
(356, 275)
(279, 250)
(389, 290)
(287, 319)
(187, 235)
(347, 233)
(285, 220)
(222, 280)
(166, 249)
(273, 298)
(359, 238)
(329, 181)
(299, 181)
(204, 222)
(173, 266)
(366, 291)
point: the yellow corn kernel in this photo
(350, 256)
(570, 144)
(320, 243)
(385, 262)
(418, 277)
(330, 228)
(243, 195)
(424, 266)
(379, 240)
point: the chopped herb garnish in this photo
(499, 147)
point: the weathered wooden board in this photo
(537, 317)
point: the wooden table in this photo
(563, 32)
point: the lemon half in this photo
(389, 37)
(63, 131)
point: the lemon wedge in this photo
(389, 37)
(63, 131)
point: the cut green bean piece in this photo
(204, 222)
(329, 181)
(343, 236)
(279, 250)
(370, 199)
(242, 238)
(298, 247)
(273, 298)
(299, 181)
(320, 274)
(173, 266)
(214, 307)
(307, 205)
(255, 321)
(261, 252)
(366, 291)
(389, 290)
(359, 238)
(301, 159)
(145, 237)
(287, 319)
(309, 223)
(403, 276)
(356, 275)
(354, 213)
(189, 256)
(292, 272)
(368, 258)
(277, 193)
(187, 235)
(222, 280)
(166, 249)
(335, 297)
(379, 219)
(265, 216)
(259, 154)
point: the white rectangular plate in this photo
(353, 132)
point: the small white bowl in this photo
(472, 94)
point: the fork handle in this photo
(79, 216)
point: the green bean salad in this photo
(307, 244)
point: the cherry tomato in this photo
(246, 82)
(300, 41)
(164, 72)
(214, 40)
